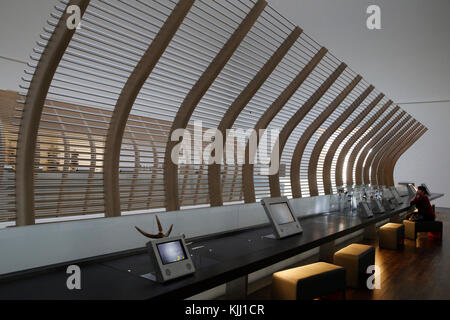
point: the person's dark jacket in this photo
(423, 206)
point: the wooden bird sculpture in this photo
(160, 233)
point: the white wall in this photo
(21, 22)
(427, 161)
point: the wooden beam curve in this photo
(318, 147)
(389, 170)
(372, 138)
(306, 136)
(32, 112)
(350, 142)
(126, 100)
(393, 144)
(274, 180)
(326, 174)
(362, 172)
(193, 98)
(214, 179)
(359, 145)
(247, 168)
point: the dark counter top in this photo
(218, 260)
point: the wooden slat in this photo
(392, 137)
(375, 145)
(394, 148)
(389, 169)
(308, 133)
(318, 147)
(214, 181)
(248, 185)
(326, 174)
(194, 96)
(376, 176)
(361, 143)
(274, 180)
(34, 102)
(126, 100)
(350, 142)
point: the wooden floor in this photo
(421, 270)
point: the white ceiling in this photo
(408, 60)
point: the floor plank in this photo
(421, 270)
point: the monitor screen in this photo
(366, 206)
(171, 252)
(281, 213)
(387, 193)
(396, 194)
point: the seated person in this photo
(423, 205)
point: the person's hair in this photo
(422, 188)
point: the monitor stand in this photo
(150, 276)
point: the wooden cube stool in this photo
(355, 258)
(414, 227)
(308, 282)
(391, 236)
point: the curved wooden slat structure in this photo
(274, 180)
(378, 137)
(314, 160)
(393, 139)
(349, 144)
(326, 174)
(392, 151)
(32, 112)
(214, 179)
(266, 118)
(306, 136)
(125, 103)
(358, 147)
(389, 169)
(194, 96)
(362, 173)
(104, 100)
(376, 174)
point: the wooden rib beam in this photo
(306, 136)
(214, 179)
(32, 112)
(397, 139)
(389, 169)
(392, 151)
(359, 146)
(193, 98)
(126, 100)
(318, 147)
(393, 137)
(326, 174)
(247, 169)
(363, 171)
(350, 142)
(366, 144)
(274, 180)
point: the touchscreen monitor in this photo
(281, 216)
(170, 259)
(281, 213)
(171, 252)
